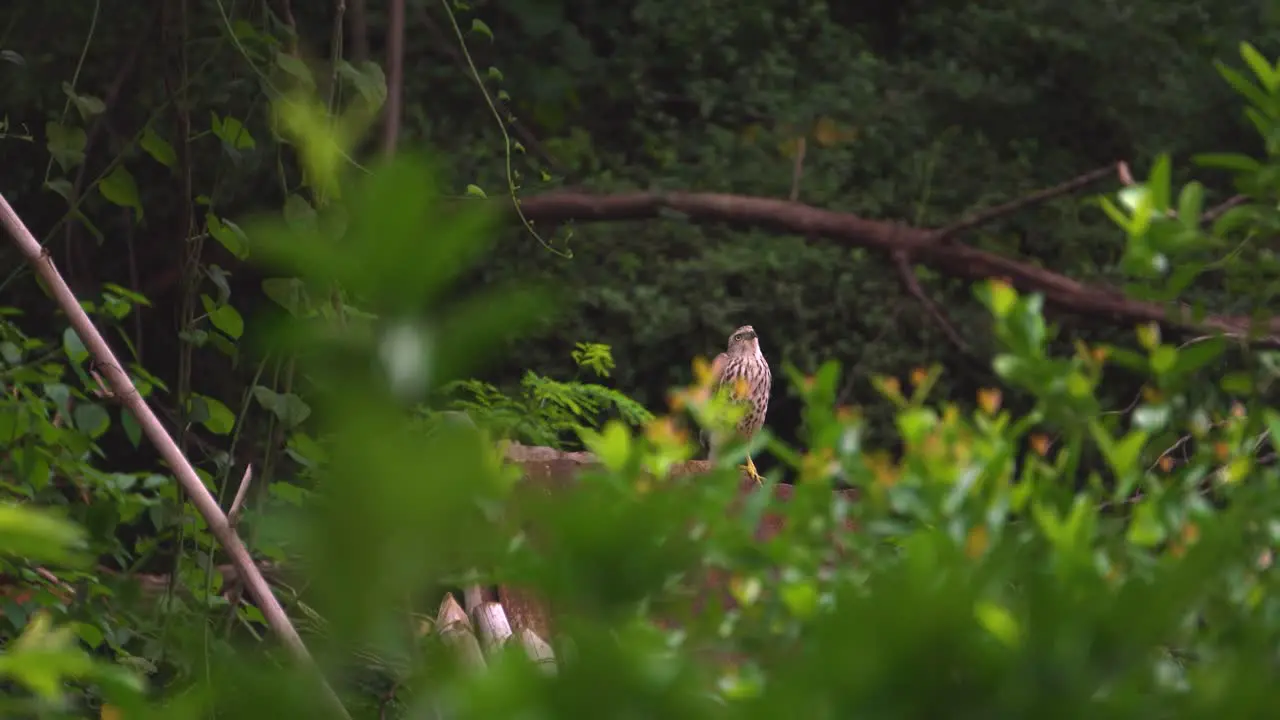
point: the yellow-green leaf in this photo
(158, 148)
(120, 188)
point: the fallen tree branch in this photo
(123, 390)
(920, 244)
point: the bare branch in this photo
(797, 170)
(124, 391)
(1035, 198)
(1213, 213)
(908, 275)
(1220, 209)
(395, 78)
(237, 504)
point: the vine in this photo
(509, 146)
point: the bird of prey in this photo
(744, 371)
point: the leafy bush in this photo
(548, 411)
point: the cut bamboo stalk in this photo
(472, 598)
(492, 625)
(538, 650)
(455, 631)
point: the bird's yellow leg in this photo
(750, 467)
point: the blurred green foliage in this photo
(1033, 550)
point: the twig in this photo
(286, 16)
(395, 78)
(1035, 198)
(797, 170)
(1221, 208)
(123, 389)
(238, 503)
(908, 275)
(359, 27)
(1208, 216)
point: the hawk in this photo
(744, 371)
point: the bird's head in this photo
(743, 341)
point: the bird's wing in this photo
(717, 370)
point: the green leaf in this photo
(62, 186)
(131, 428)
(91, 419)
(1159, 182)
(998, 621)
(1260, 66)
(229, 235)
(296, 68)
(475, 191)
(478, 26)
(217, 418)
(612, 446)
(1237, 383)
(1227, 161)
(224, 317)
(1000, 298)
(1145, 530)
(127, 294)
(368, 80)
(1121, 455)
(120, 188)
(1148, 336)
(288, 293)
(1163, 359)
(73, 347)
(34, 535)
(232, 132)
(91, 635)
(299, 215)
(88, 105)
(1197, 355)
(65, 144)
(1190, 204)
(289, 408)
(158, 148)
(1241, 85)
(1273, 424)
(801, 598)
(915, 423)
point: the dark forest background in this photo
(914, 112)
